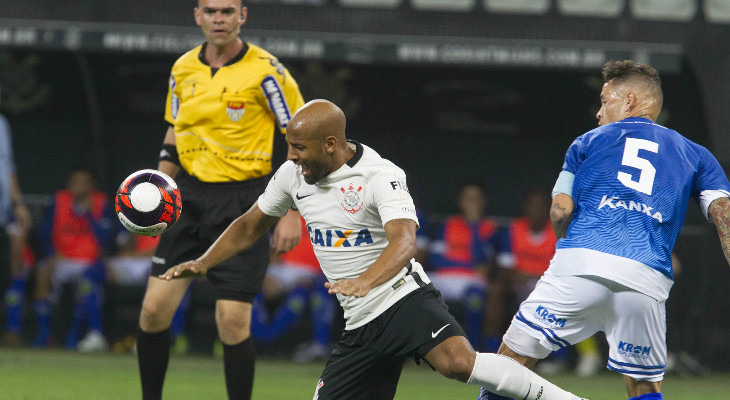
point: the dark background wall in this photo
(508, 128)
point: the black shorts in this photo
(366, 363)
(207, 210)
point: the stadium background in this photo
(493, 90)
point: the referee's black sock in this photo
(153, 354)
(238, 360)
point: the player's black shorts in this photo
(366, 363)
(207, 210)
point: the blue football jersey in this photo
(633, 180)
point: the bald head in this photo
(317, 141)
(318, 119)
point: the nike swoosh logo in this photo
(301, 197)
(434, 334)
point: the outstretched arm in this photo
(561, 213)
(401, 248)
(239, 236)
(719, 214)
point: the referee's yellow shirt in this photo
(225, 121)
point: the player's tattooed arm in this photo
(559, 219)
(561, 213)
(719, 214)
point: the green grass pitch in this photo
(58, 375)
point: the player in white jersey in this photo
(362, 224)
(618, 207)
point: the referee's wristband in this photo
(169, 153)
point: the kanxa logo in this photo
(614, 203)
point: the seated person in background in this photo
(75, 231)
(462, 252)
(130, 266)
(22, 261)
(531, 245)
(296, 274)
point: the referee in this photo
(226, 101)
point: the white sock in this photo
(506, 377)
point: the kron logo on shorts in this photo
(549, 318)
(632, 350)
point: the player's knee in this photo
(232, 321)
(458, 367)
(43, 284)
(233, 327)
(153, 317)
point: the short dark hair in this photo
(625, 70)
(628, 68)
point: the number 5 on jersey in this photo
(631, 158)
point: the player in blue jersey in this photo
(618, 206)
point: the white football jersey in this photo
(345, 214)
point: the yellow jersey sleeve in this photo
(172, 105)
(225, 120)
(282, 95)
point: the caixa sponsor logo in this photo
(339, 238)
(632, 350)
(549, 318)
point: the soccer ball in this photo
(148, 202)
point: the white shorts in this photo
(569, 309)
(454, 286)
(65, 271)
(289, 275)
(130, 271)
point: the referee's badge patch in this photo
(352, 201)
(235, 110)
(174, 105)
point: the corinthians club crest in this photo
(235, 110)
(351, 198)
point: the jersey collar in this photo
(237, 58)
(358, 153)
(633, 119)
